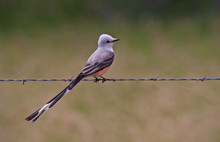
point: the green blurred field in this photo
(113, 111)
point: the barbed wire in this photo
(117, 79)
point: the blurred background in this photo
(165, 38)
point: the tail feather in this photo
(39, 115)
(55, 99)
(59, 97)
(32, 115)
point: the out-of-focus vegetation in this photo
(53, 39)
(29, 13)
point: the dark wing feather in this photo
(98, 63)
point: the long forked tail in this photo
(54, 100)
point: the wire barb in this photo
(155, 79)
(70, 79)
(114, 79)
(203, 79)
(24, 81)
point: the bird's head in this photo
(106, 41)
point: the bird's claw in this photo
(96, 80)
(103, 79)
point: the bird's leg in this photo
(96, 79)
(103, 79)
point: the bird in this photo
(97, 64)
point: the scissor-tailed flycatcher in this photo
(97, 64)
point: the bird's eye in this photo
(107, 41)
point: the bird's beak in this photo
(116, 39)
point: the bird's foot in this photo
(96, 79)
(103, 79)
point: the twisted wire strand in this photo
(115, 79)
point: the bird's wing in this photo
(98, 62)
